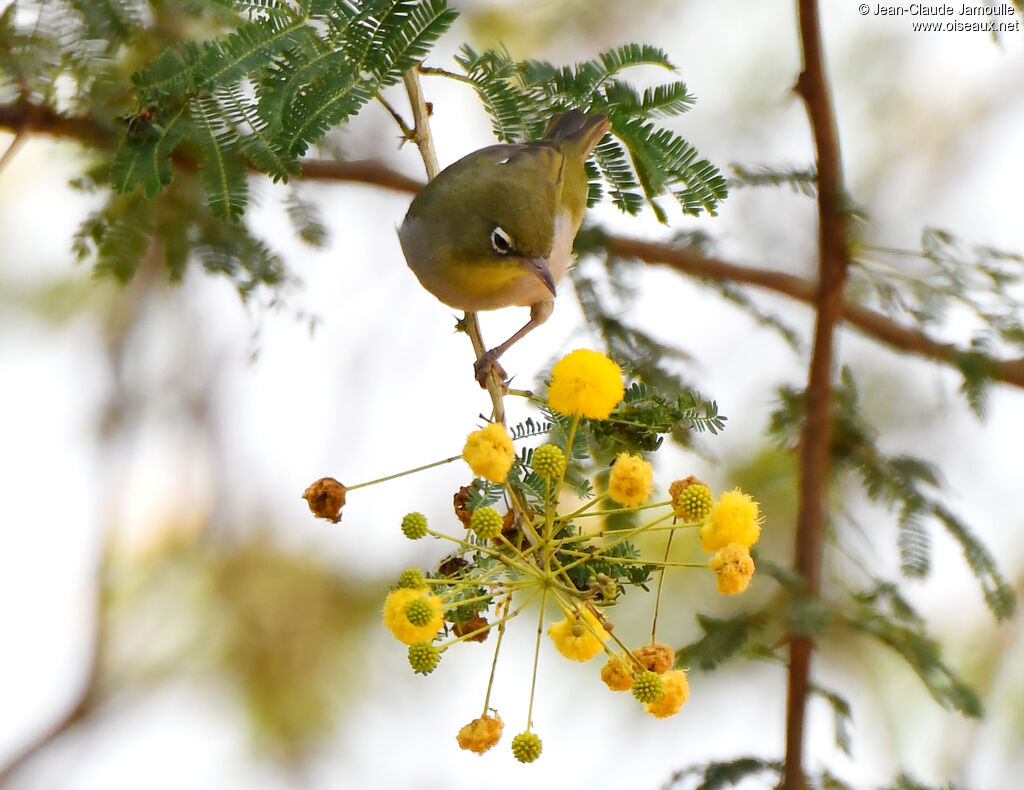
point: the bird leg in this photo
(488, 361)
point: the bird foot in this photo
(482, 369)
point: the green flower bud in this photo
(526, 747)
(486, 523)
(423, 657)
(648, 686)
(414, 526)
(549, 461)
(691, 499)
(419, 612)
(412, 579)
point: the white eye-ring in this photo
(501, 242)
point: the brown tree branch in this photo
(39, 119)
(26, 118)
(686, 260)
(815, 449)
(83, 708)
(87, 701)
(367, 171)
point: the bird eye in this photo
(501, 242)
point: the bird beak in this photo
(539, 268)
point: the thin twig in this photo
(433, 71)
(421, 123)
(20, 138)
(407, 132)
(366, 171)
(469, 323)
(87, 701)
(661, 582)
(815, 451)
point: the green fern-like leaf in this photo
(662, 100)
(222, 170)
(251, 46)
(977, 368)
(615, 60)
(718, 775)
(999, 594)
(255, 140)
(906, 635)
(842, 716)
(228, 248)
(306, 220)
(914, 546)
(906, 484)
(529, 428)
(148, 162)
(496, 78)
(614, 165)
(519, 97)
(723, 639)
(405, 44)
(742, 299)
(535, 487)
(329, 103)
(585, 78)
(123, 237)
(169, 77)
(483, 494)
(291, 73)
(802, 180)
(109, 21)
(666, 162)
(365, 33)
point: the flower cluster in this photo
(518, 543)
(648, 672)
(730, 529)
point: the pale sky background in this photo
(384, 385)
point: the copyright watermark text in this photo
(958, 18)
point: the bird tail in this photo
(577, 129)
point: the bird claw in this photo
(482, 369)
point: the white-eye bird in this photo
(496, 228)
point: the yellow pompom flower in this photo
(396, 619)
(631, 479)
(677, 689)
(733, 566)
(574, 640)
(657, 657)
(616, 675)
(734, 518)
(489, 452)
(586, 383)
(480, 734)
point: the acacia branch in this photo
(85, 704)
(686, 260)
(815, 451)
(30, 118)
(81, 710)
